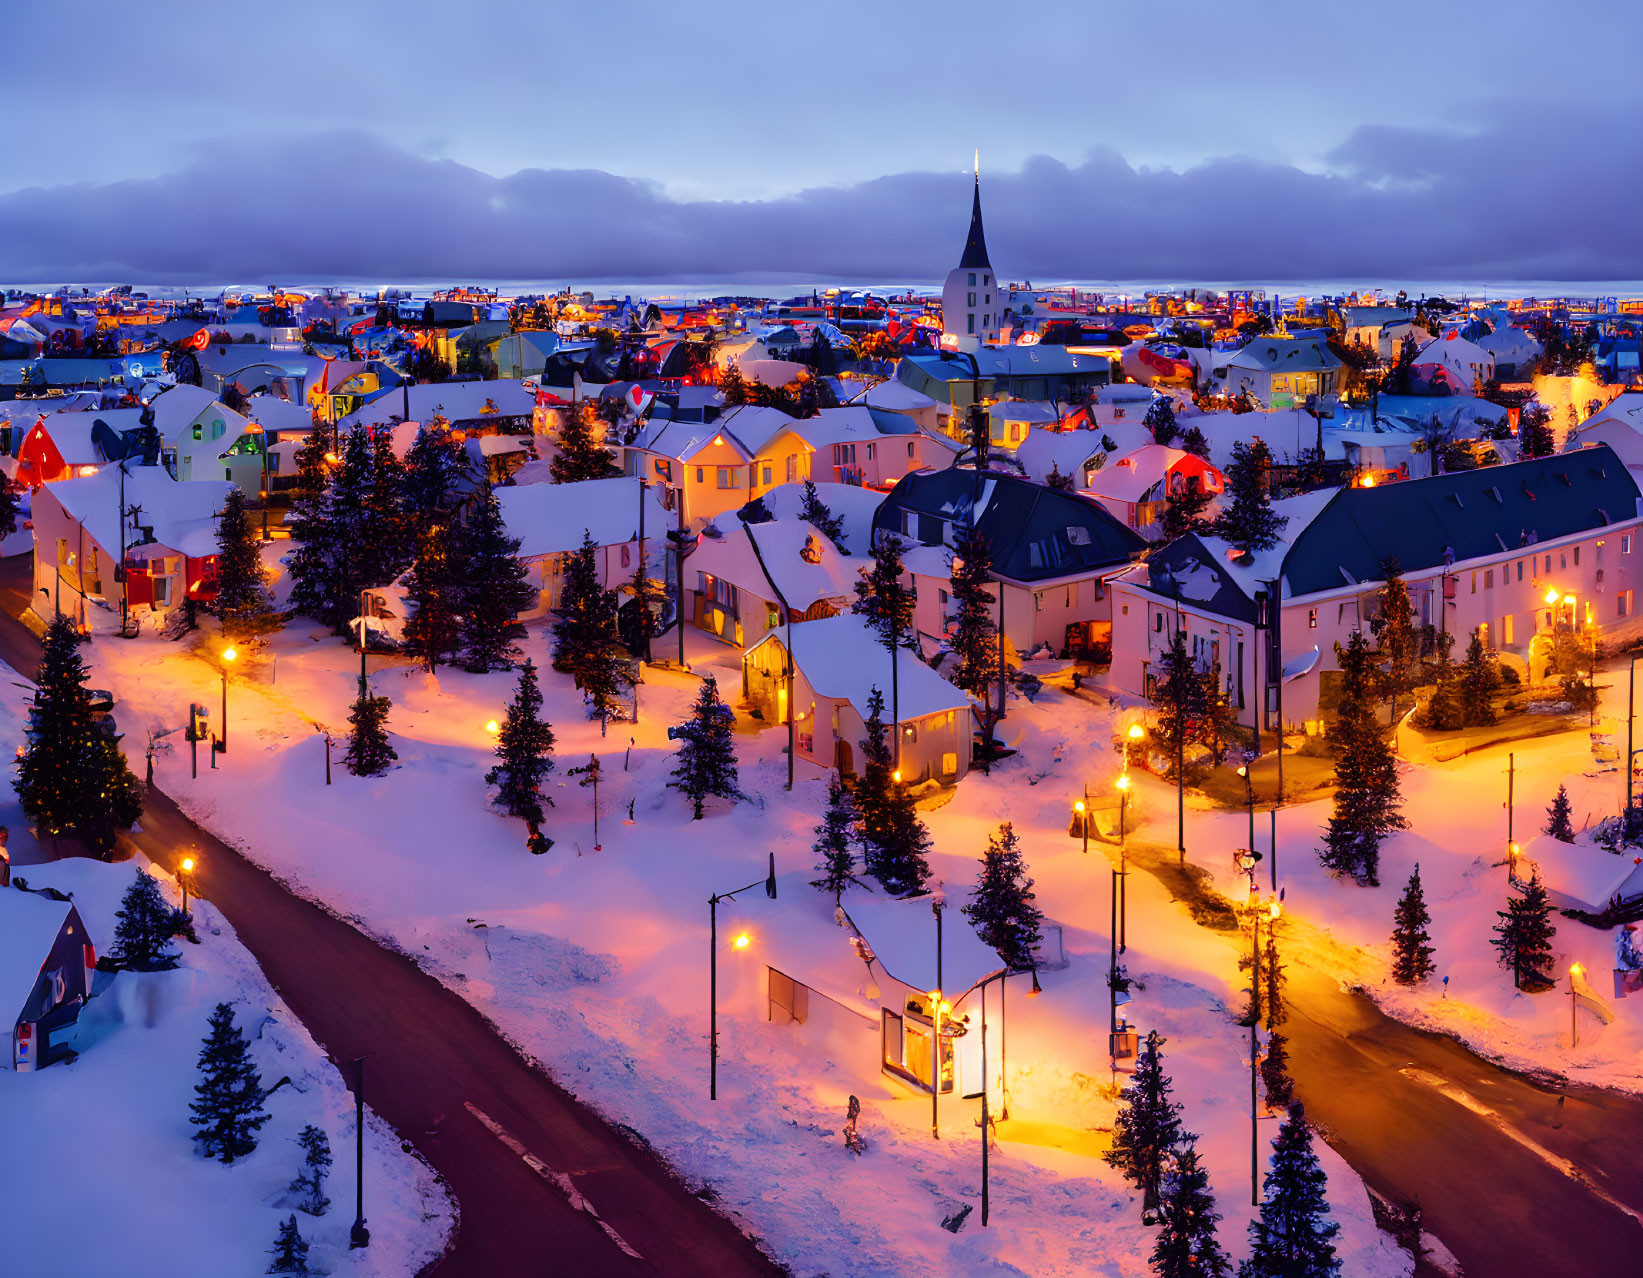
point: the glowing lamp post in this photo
(493, 727)
(185, 871)
(228, 656)
(1133, 736)
(741, 942)
(1123, 880)
(1513, 850)
(1274, 909)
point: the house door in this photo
(844, 758)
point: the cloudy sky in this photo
(1199, 141)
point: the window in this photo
(1548, 563)
(199, 431)
(1520, 570)
(1562, 559)
(1038, 601)
(1474, 581)
(1158, 621)
(869, 452)
(909, 733)
(1625, 543)
(985, 279)
(1312, 618)
(970, 321)
(987, 298)
(1508, 627)
(969, 299)
(699, 475)
(769, 472)
(792, 467)
(730, 476)
(1488, 578)
(949, 763)
(1623, 603)
(217, 428)
(1577, 556)
(941, 598)
(909, 449)
(972, 285)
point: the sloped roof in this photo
(458, 401)
(975, 244)
(71, 432)
(1037, 533)
(841, 658)
(752, 557)
(29, 924)
(549, 519)
(897, 397)
(902, 936)
(754, 425)
(183, 515)
(274, 414)
(1285, 355)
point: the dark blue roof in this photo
(975, 247)
(1036, 533)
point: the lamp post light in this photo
(1081, 814)
(1123, 865)
(741, 943)
(1512, 852)
(358, 1234)
(1135, 734)
(185, 871)
(1249, 800)
(228, 655)
(1274, 909)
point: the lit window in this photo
(1312, 618)
(198, 431)
(1623, 603)
(769, 472)
(1625, 543)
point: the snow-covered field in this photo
(101, 1177)
(593, 958)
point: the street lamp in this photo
(1081, 814)
(228, 655)
(1512, 851)
(741, 943)
(184, 872)
(1274, 909)
(1123, 865)
(493, 727)
(1135, 734)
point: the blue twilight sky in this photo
(1202, 139)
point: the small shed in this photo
(46, 966)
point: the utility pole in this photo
(935, 1033)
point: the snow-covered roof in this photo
(771, 372)
(457, 401)
(897, 397)
(855, 506)
(71, 432)
(754, 425)
(1583, 875)
(182, 515)
(1134, 475)
(29, 924)
(1033, 412)
(1510, 343)
(175, 411)
(841, 658)
(1199, 582)
(274, 415)
(1066, 451)
(1285, 354)
(780, 545)
(837, 425)
(902, 936)
(549, 519)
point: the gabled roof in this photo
(767, 559)
(71, 433)
(1285, 355)
(549, 519)
(176, 409)
(754, 425)
(902, 935)
(182, 515)
(1134, 476)
(29, 924)
(841, 658)
(458, 401)
(1036, 533)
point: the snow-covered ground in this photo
(593, 958)
(101, 1175)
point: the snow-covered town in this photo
(539, 750)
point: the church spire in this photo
(975, 248)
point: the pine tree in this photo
(886, 605)
(1160, 420)
(904, 853)
(1444, 712)
(1272, 976)
(974, 637)
(1401, 380)
(1148, 1124)
(1478, 680)
(815, 513)
(1523, 937)
(243, 603)
(1186, 1246)
(580, 456)
(11, 510)
(1001, 907)
(434, 596)
(1558, 824)
(1397, 648)
(229, 1111)
(1293, 1237)
(313, 560)
(497, 588)
(1184, 506)
(1275, 1079)
(71, 777)
(337, 536)
(1056, 480)
(144, 927)
(1367, 800)
(290, 1250)
(585, 619)
(872, 793)
(733, 386)
(310, 461)
(393, 531)
(369, 751)
(1181, 701)
(1194, 441)
(707, 757)
(837, 863)
(1411, 944)
(316, 1165)
(1534, 432)
(1247, 520)
(435, 466)
(525, 748)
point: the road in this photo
(1513, 1176)
(431, 1063)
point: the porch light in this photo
(1551, 596)
(188, 865)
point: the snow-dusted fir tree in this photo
(975, 628)
(1001, 907)
(1367, 800)
(1293, 1237)
(1523, 937)
(707, 756)
(1479, 677)
(903, 854)
(496, 588)
(1181, 702)
(1397, 647)
(1558, 823)
(1186, 1246)
(309, 1181)
(525, 750)
(872, 793)
(144, 927)
(580, 455)
(243, 604)
(71, 777)
(885, 603)
(228, 1111)
(1275, 1079)
(584, 626)
(392, 530)
(1184, 509)
(1275, 983)
(1534, 432)
(369, 750)
(1148, 1124)
(1444, 711)
(1411, 945)
(1247, 519)
(814, 512)
(435, 466)
(290, 1250)
(836, 861)
(1160, 420)
(433, 593)
(311, 461)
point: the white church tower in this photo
(970, 300)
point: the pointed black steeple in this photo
(975, 248)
